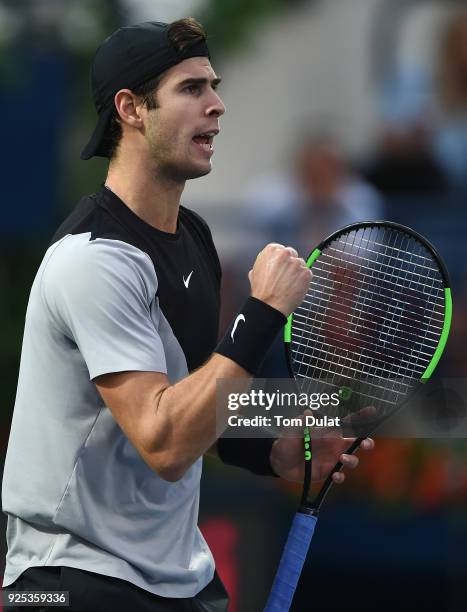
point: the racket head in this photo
(374, 322)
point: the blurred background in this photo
(337, 111)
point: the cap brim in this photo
(94, 146)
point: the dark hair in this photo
(182, 34)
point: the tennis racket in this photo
(372, 327)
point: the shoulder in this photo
(92, 215)
(81, 219)
(79, 265)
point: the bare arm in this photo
(172, 425)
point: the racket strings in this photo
(428, 258)
(436, 279)
(315, 379)
(374, 311)
(370, 305)
(367, 361)
(324, 350)
(390, 260)
(310, 346)
(372, 391)
(407, 321)
(374, 275)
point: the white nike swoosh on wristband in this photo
(239, 318)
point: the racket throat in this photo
(308, 510)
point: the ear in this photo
(128, 108)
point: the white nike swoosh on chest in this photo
(187, 281)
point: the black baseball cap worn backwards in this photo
(128, 58)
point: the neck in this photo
(151, 195)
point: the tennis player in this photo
(116, 394)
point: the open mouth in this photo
(204, 140)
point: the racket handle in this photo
(291, 564)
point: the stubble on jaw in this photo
(161, 144)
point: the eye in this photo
(193, 89)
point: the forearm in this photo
(186, 420)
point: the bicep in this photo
(133, 398)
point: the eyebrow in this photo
(200, 81)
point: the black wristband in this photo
(253, 454)
(251, 335)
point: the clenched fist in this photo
(280, 278)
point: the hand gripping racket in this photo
(372, 327)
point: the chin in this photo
(197, 172)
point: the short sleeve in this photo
(101, 294)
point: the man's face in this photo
(180, 131)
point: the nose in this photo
(215, 106)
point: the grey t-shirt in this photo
(76, 491)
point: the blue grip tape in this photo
(291, 564)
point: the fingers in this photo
(348, 461)
(292, 251)
(280, 278)
(368, 444)
(360, 418)
(280, 248)
(351, 461)
(276, 245)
